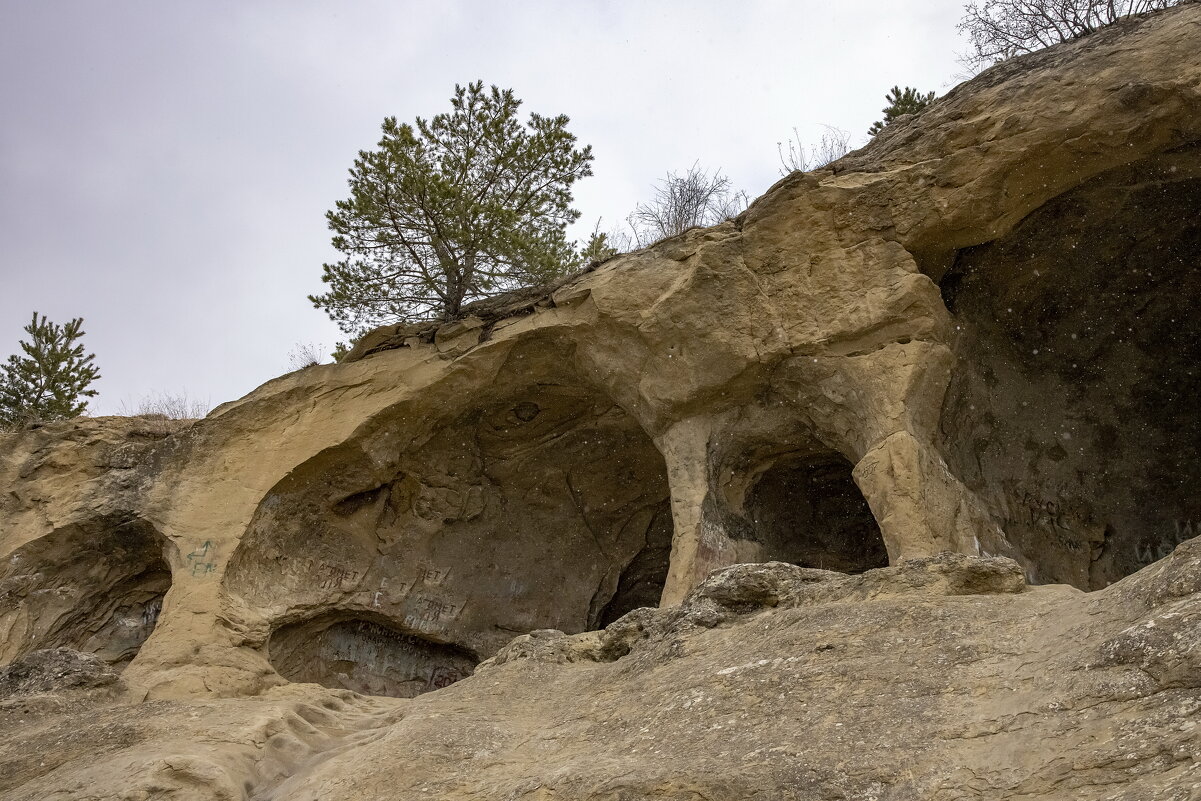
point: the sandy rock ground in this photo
(941, 678)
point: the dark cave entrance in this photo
(545, 507)
(96, 587)
(365, 655)
(1072, 410)
(807, 510)
(641, 582)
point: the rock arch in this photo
(95, 586)
(778, 493)
(539, 503)
(805, 509)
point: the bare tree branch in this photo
(1001, 29)
(696, 198)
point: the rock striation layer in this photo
(928, 412)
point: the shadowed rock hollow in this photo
(1073, 408)
(544, 507)
(927, 412)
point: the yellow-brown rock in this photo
(919, 410)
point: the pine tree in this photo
(901, 101)
(48, 382)
(597, 249)
(451, 209)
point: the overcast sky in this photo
(165, 167)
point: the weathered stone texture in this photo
(958, 367)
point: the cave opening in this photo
(640, 583)
(806, 509)
(96, 587)
(541, 504)
(1071, 411)
(365, 654)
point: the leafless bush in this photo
(620, 240)
(834, 144)
(1000, 29)
(306, 354)
(696, 198)
(164, 404)
(604, 245)
(795, 159)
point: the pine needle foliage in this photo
(50, 380)
(901, 101)
(448, 210)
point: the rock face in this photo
(938, 678)
(941, 677)
(922, 410)
(1069, 412)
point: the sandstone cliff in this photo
(943, 387)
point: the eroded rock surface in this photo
(54, 670)
(366, 657)
(886, 404)
(939, 678)
(942, 677)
